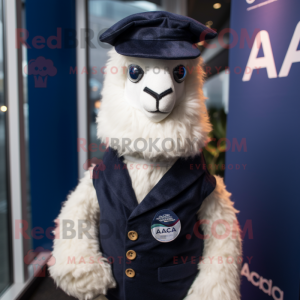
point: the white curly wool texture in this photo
(79, 268)
(219, 276)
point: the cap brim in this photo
(169, 50)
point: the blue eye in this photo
(135, 73)
(179, 73)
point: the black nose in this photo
(158, 96)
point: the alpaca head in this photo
(146, 100)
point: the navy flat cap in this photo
(157, 34)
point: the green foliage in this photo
(214, 152)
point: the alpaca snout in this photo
(162, 103)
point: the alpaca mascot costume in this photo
(152, 222)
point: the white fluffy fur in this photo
(117, 119)
(218, 279)
(84, 279)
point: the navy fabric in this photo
(176, 272)
(157, 34)
(162, 270)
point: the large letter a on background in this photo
(254, 62)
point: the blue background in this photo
(266, 112)
(52, 115)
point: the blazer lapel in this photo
(118, 179)
(181, 175)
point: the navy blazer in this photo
(160, 270)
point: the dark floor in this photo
(47, 290)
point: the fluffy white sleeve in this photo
(219, 275)
(79, 268)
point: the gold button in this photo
(130, 273)
(131, 255)
(132, 235)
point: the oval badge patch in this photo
(165, 226)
